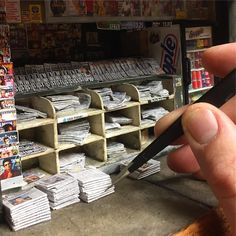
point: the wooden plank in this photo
(49, 163)
(66, 117)
(124, 130)
(130, 90)
(49, 150)
(213, 223)
(34, 123)
(44, 105)
(97, 124)
(92, 138)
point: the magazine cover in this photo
(9, 151)
(7, 104)
(7, 115)
(8, 138)
(10, 167)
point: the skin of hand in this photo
(209, 143)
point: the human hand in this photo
(209, 141)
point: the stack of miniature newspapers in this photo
(72, 162)
(153, 91)
(153, 114)
(112, 126)
(116, 150)
(113, 100)
(70, 103)
(94, 184)
(27, 114)
(27, 147)
(62, 190)
(149, 168)
(74, 132)
(30, 176)
(26, 208)
(117, 118)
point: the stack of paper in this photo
(31, 176)
(72, 162)
(26, 208)
(151, 167)
(116, 150)
(94, 184)
(74, 132)
(26, 113)
(62, 190)
(154, 113)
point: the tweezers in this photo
(217, 96)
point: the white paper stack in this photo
(149, 168)
(26, 208)
(62, 190)
(72, 162)
(154, 113)
(116, 150)
(94, 184)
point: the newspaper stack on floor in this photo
(32, 175)
(151, 167)
(93, 184)
(26, 208)
(116, 150)
(72, 162)
(74, 132)
(62, 190)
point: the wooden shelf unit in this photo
(45, 131)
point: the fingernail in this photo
(201, 124)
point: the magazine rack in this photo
(44, 131)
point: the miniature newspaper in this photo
(93, 184)
(26, 208)
(62, 190)
(151, 167)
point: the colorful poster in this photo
(35, 13)
(13, 11)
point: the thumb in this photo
(212, 138)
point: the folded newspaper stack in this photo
(116, 150)
(26, 113)
(72, 162)
(27, 147)
(32, 175)
(113, 100)
(62, 190)
(70, 103)
(151, 167)
(26, 208)
(93, 184)
(152, 90)
(112, 126)
(153, 113)
(74, 132)
(120, 119)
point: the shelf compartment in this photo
(47, 161)
(34, 123)
(155, 99)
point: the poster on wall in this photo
(13, 12)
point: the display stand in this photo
(44, 131)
